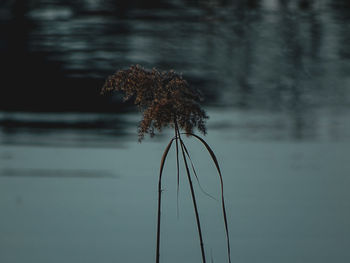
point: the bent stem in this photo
(192, 193)
(165, 154)
(184, 153)
(211, 152)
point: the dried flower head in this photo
(164, 98)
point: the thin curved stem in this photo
(193, 195)
(165, 154)
(211, 152)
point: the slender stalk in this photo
(211, 152)
(160, 196)
(178, 172)
(192, 194)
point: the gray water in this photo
(78, 187)
(77, 196)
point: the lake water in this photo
(76, 186)
(89, 195)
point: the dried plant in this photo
(167, 100)
(162, 96)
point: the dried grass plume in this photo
(164, 97)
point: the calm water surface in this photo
(91, 195)
(77, 187)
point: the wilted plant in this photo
(167, 100)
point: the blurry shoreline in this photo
(254, 54)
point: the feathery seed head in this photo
(164, 97)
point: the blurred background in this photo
(76, 186)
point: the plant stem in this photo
(192, 193)
(178, 172)
(222, 190)
(160, 196)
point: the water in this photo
(269, 54)
(72, 196)
(76, 186)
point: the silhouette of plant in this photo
(167, 100)
(163, 97)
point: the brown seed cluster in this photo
(164, 97)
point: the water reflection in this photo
(244, 52)
(65, 129)
(284, 56)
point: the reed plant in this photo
(167, 100)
